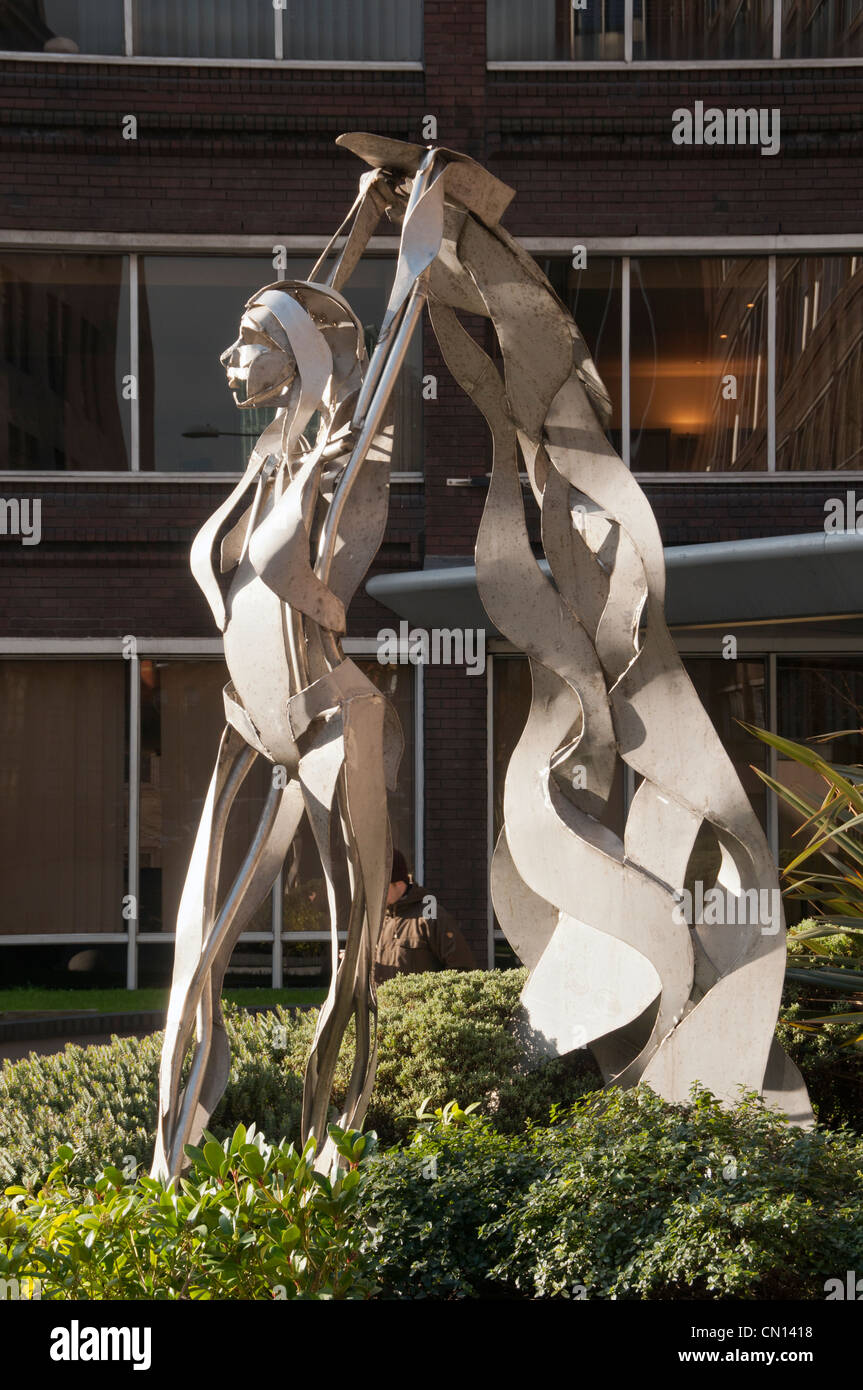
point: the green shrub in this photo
(439, 1035)
(101, 1100)
(250, 1221)
(832, 1070)
(623, 1196)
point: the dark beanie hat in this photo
(400, 873)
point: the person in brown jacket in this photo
(417, 933)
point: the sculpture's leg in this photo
(194, 916)
(209, 1073)
(351, 750)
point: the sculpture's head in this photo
(300, 347)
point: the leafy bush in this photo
(101, 1101)
(251, 1221)
(832, 1070)
(439, 1035)
(623, 1196)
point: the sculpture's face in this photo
(259, 370)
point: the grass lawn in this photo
(110, 1001)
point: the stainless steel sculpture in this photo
(598, 920)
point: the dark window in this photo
(65, 336)
(353, 30)
(190, 312)
(698, 364)
(204, 28)
(554, 30)
(819, 352)
(822, 28)
(62, 26)
(702, 29)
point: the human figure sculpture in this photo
(595, 917)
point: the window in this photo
(819, 335)
(190, 312)
(322, 30)
(63, 794)
(593, 297)
(702, 29)
(724, 31)
(67, 399)
(65, 351)
(64, 815)
(815, 696)
(359, 30)
(62, 26)
(698, 364)
(203, 29)
(822, 28)
(553, 30)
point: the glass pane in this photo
(711, 29)
(593, 296)
(822, 28)
(555, 30)
(354, 30)
(205, 28)
(62, 796)
(699, 364)
(190, 311)
(64, 339)
(62, 26)
(815, 696)
(182, 718)
(819, 362)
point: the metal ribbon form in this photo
(598, 920)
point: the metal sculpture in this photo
(613, 961)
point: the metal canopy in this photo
(770, 578)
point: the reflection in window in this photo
(698, 364)
(554, 30)
(354, 30)
(815, 697)
(62, 796)
(190, 312)
(204, 28)
(64, 348)
(819, 367)
(702, 29)
(822, 28)
(593, 297)
(61, 26)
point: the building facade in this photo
(688, 175)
